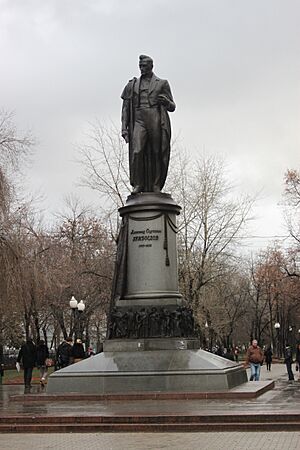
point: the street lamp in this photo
(277, 328)
(77, 308)
(73, 303)
(206, 335)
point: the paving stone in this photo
(154, 441)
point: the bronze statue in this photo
(146, 127)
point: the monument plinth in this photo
(151, 251)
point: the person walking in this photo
(1, 368)
(298, 360)
(42, 353)
(268, 357)
(64, 353)
(236, 354)
(90, 352)
(27, 357)
(254, 358)
(288, 359)
(78, 353)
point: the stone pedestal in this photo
(151, 252)
(149, 365)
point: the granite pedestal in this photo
(151, 260)
(149, 365)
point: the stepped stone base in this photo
(177, 369)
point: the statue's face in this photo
(145, 67)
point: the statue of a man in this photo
(146, 127)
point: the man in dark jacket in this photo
(288, 359)
(64, 353)
(27, 357)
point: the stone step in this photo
(244, 391)
(148, 427)
(240, 417)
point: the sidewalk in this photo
(153, 441)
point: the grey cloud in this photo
(233, 67)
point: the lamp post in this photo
(77, 308)
(277, 328)
(206, 335)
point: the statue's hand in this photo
(125, 136)
(163, 100)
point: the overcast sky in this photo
(233, 66)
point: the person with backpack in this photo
(78, 353)
(64, 353)
(288, 359)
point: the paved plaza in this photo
(285, 397)
(153, 441)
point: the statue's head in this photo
(145, 64)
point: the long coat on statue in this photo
(130, 96)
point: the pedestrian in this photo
(268, 357)
(219, 351)
(90, 352)
(1, 368)
(228, 354)
(64, 353)
(254, 358)
(236, 354)
(42, 354)
(298, 360)
(78, 353)
(27, 357)
(288, 359)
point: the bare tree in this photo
(292, 204)
(209, 226)
(14, 146)
(104, 157)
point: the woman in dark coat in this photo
(27, 357)
(268, 357)
(42, 353)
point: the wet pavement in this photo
(285, 397)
